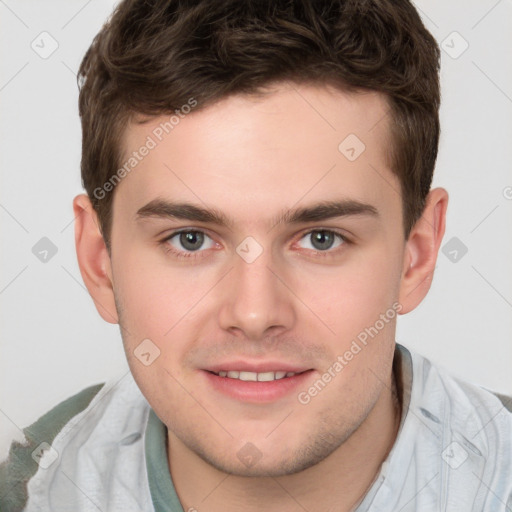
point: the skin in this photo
(251, 159)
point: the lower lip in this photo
(255, 391)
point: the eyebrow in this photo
(160, 208)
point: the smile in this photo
(255, 376)
(257, 387)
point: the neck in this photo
(338, 483)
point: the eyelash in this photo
(196, 254)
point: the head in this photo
(294, 143)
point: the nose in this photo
(256, 301)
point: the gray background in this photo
(53, 342)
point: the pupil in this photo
(191, 240)
(322, 240)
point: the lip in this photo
(257, 392)
(258, 367)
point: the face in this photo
(248, 240)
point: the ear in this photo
(421, 250)
(93, 258)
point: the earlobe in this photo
(421, 250)
(93, 258)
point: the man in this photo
(258, 213)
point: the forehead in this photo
(246, 152)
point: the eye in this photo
(323, 240)
(188, 241)
(191, 242)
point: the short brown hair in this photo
(152, 56)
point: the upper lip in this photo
(257, 367)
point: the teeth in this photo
(248, 376)
(253, 376)
(265, 377)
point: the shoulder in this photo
(472, 429)
(506, 400)
(92, 444)
(455, 441)
(24, 458)
(432, 381)
(467, 406)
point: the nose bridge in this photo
(256, 301)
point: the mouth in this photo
(257, 387)
(256, 376)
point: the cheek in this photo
(160, 302)
(352, 296)
(151, 298)
(144, 299)
(156, 307)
